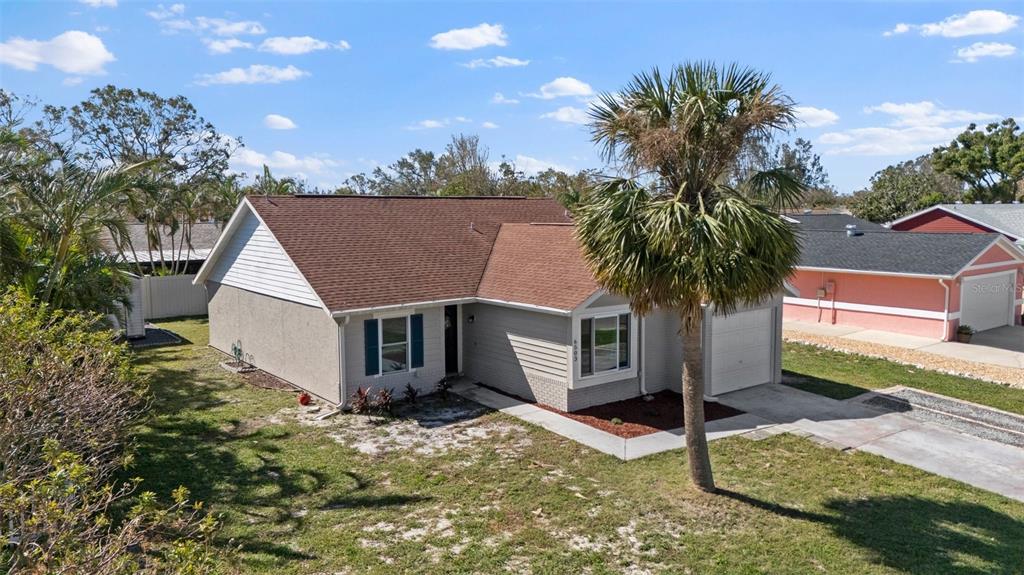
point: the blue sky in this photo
(357, 84)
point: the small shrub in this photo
(361, 400)
(965, 329)
(443, 387)
(411, 394)
(382, 403)
(616, 421)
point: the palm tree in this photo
(675, 235)
(64, 207)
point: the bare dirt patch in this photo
(430, 427)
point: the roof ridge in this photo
(404, 197)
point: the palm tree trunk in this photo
(693, 405)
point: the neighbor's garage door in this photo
(741, 350)
(987, 301)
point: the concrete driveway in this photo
(1002, 347)
(859, 423)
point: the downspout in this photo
(641, 364)
(945, 311)
(341, 361)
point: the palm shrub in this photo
(674, 234)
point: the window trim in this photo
(380, 346)
(578, 379)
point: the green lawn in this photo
(842, 376)
(353, 497)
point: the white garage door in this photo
(741, 350)
(987, 302)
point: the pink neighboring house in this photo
(924, 284)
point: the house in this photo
(978, 218)
(333, 293)
(916, 283)
(185, 255)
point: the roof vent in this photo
(852, 231)
(959, 203)
(978, 202)
(998, 202)
(1016, 201)
(806, 211)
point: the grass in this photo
(304, 499)
(841, 376)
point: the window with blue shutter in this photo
(416, 324)
(370, 342)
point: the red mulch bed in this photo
(640, 417)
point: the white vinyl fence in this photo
(171, 296)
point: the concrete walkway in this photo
(1003, 347)
(852, 424)
(773, 409)
(623, 448)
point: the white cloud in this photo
(254, 74)
(815, 117)
(72, 80)
(462, 119)
(470, 38)
(74, 52)
(973, 23)
(204, 25)
(985, 50)
(428, 125)
(294, 45)
(99, 3)
(162, 13)
(530, 165)
(489, 126)
(500, 98)
(914, 128)
(225, 46)
(926, 114)
(278, 122)
(898, 29)
(569, 115)
(564, 86)
(496, 62)
(288, 164)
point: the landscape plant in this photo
(672, 234)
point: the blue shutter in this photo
(416, 321)
(370, 341)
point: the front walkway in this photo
(996, 354)
(623, 448)
(772, 409)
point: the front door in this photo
(451, 339)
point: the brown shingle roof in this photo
(359, 252)
(538, 264)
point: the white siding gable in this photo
(253, 260)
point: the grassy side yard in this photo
(841, 376)
(489, 494)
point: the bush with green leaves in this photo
(69, 399)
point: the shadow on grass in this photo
(820, 386)
(236, 469)
(919, 536)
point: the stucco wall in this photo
(295, 342)
(422, 378)
(940, 221)
(522, 352)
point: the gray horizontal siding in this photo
(519, 351)
(254, 261)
